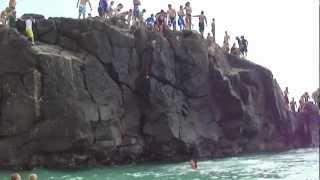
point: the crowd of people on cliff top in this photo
(292, 105)
(159, 22)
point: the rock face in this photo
(94, 93)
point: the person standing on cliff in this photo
(103, 8)
(226, 42)
(181, 16)
(29, 31)
(244, 43)
(293, 105)
(136, 11)
(213, 30)
(188, 15)
(202, 21)
(172, 17)
(83, 7)
(306, 97)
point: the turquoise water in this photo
(293, 165)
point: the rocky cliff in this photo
(95, 93)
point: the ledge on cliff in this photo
(81, 97)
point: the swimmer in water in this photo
(194, 164)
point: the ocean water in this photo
(292, 165)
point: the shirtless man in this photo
(188, 15)
(202, 20)
(12, 4)
(172, 14)
(181, 15)
(82, 7)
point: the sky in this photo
(283, 35)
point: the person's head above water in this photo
(33, 177)
(15, 176)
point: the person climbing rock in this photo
(172, 17)
(83, 7)
(226, 42)
(181, 15)
(150, 22)
(202, 22)
(188, 15)
(293, 105)
(136, 11)
(15, 176)
(244, 43)
(103, 8)
(213, 30)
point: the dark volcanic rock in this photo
(81, 96)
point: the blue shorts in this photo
(136, 12)
(172, 21)
(82, 9)
(181, 21)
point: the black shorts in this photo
(201, 26)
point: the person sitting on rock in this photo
(181, 16)
(172, 15)
(33, 177)
(233, 50)
(15, 176)
(83, 7)
(293, 105)
(103, 8)
(202, 21)
(226, 42)
(150, 22)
